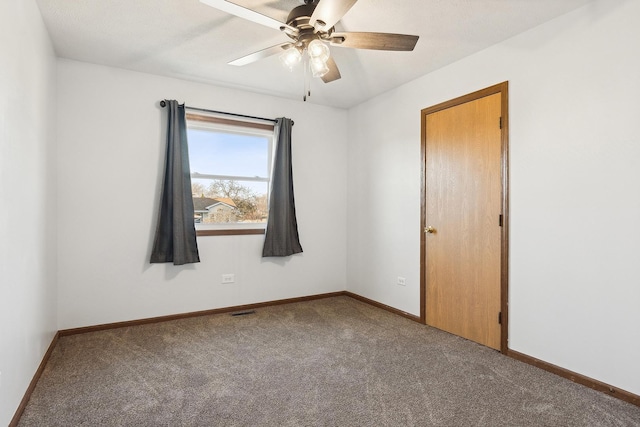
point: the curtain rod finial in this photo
(163, 103)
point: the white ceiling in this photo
(189, 40)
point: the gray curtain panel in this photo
(281, 238)
(175, 239)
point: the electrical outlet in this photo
(228, 278)
(401, 281)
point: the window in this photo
(230, 163)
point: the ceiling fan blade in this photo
(333, 74)
(261, 54)
(375, 41)
(328, 12)
(248, 14)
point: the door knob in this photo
(430, 230)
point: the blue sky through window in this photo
(222, 153)
(218, 153)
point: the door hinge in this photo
(500, 318)
(500, 122)
(500, 220)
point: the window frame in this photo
(211, 122)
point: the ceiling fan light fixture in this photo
(291, 57)
(318, 50)
(318, 67)
(311, 27)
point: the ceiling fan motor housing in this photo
(299, 18)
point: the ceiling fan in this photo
(310, 27)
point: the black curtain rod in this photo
(163, 104)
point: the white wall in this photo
(27, 199)
(575, 188)
(111, 149)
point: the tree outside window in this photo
(230, 163)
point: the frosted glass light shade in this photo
(318, 67)
(318, 50)
(291, 57)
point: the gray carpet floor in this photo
(329, 362)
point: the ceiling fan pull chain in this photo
(306, 66)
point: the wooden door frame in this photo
(503, 89)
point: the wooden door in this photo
(463, 219)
